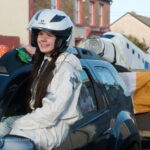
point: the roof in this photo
(143, 19)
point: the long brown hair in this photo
(44, 79)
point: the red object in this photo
(3, 49)
(10, 41)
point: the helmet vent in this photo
(57, 18)
(37, 15)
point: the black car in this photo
(106, 119)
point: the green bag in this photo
(23, 55)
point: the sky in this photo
(119, 7)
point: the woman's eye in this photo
(41, 33)
(50, 35)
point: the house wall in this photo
(14, 19)
(69, 7)
(101, 17)
(10, 41)
(15, 15)
(129, 25)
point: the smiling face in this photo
(46, 42)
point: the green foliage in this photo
(139, 44)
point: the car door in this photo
(91, 129)
(117, 94)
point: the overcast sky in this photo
(119, 7)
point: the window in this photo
(112, 85)
(128, 45)
(87, 100)
(133, 51)
(104, 76)
(93, 12)
(138, 56)
(78, 11)
(109, 36)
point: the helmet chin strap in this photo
(60, 46)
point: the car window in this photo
(112, 87)
(87, 101)
(105, 76)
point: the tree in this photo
(139, 44)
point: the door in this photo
(89, 130)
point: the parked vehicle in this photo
(133, 65)
(117, 49)
(106, 113)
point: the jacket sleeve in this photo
(55, 103)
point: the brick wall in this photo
(10, 41)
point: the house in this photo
(90, 17)
(15, 16)
(135, 25)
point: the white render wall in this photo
(14, 18)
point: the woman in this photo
(56, 86)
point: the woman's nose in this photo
(44, 37)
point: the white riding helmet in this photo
(54, 21)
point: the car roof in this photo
(83, 53)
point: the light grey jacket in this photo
(48, 126)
